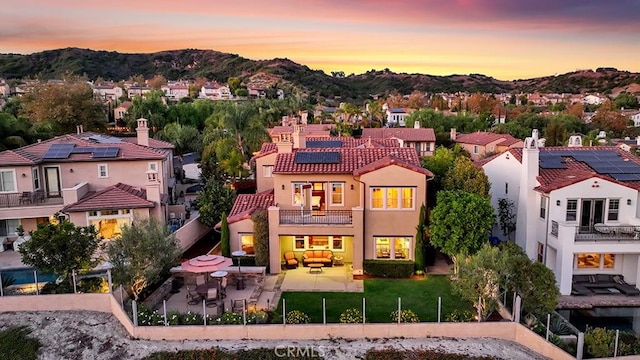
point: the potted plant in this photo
(20, 230)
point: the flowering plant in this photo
(351, 316)
(192, 319)
(406, 315)
(297, 317)
(229, 318)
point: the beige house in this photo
(422, 139)
(353, 198)
(120, 111)
(481, 144)
(93, 179)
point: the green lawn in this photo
(381, 296)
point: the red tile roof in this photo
(153, 143)
(351, 142)
(351, 159)
(387, 161)
(405, 134)
(33, 154)
(246, 204)
(119, 196)
(310, 129)
(484, 138)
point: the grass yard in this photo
(419, 295)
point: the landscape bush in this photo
(351, 316)
(389, 268)
(94, 284)
(297, 317)
(16, 343)
(600, 342)
(459, 316)
(406, 315)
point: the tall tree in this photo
(464, 175)
(142, 254)
(215, 199)
(185, 138)
(419, 246)
(555, 134)
(479, 279)
(460, 223)
(225, 245)
(150, 107)
(261, 237)
(61, 248)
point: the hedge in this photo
(389, 268)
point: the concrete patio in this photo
(336, 278)
(10, 259)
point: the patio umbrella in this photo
(206, 264)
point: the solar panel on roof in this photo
(315, 144)
(325, 157)
(82, 150)
(626, 177)
(59, 151)
(107, 152)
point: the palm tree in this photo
(375, 112)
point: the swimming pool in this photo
(616, 318)
(25, 276)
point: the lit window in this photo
(103, 171)
(393, 247)
(407, 198)
(572, 210)
(393, 198)
(299, 243)
(7, 181)
(246, 243)
(614, 206)
(377, 198)
(321, 242)
(337, 194)
(297, 193)
(609, 261)
(267, 171)
(588, 261)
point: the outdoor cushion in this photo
(604, 278)
(618, 279)
(580, 278)
(593, 279)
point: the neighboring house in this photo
(593, 99)
(320, 193)
(635, 117)
(93, 179)
(175, 92)
(120, 111)
(5, 89)
(256, 93)
(215, 91)
(396, 116)
(108, 92)
(480, 144)
(134, 91)
(285, 133)
(423, 140)
(576, 207)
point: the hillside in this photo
(215, 65)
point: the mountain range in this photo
(219, 66)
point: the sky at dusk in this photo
(507, 39)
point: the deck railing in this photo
(608, 232)
(28, 198)
(316, 217)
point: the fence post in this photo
(1, 289)
(244, 311)
(399, 308)
(516, 309)
(284, 312)
(364, 311)
(109, 280)
(134, 307)
(35, 277)
(324, 311)
(204, 312)
(548, 323)
(164, 309)
(439, 307)
(479, 308)
(122, 297)
(513, 308)
(580, 346)
(615, 347)
(73, 276)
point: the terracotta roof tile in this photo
(350, 159)
(310, 129)
(484, 138)
(387, 161)
(119, 196)
(405, 134)
(153, 143)
(246, 204)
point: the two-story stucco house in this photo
(357, 198)
(422, 139)
(577, 207)
(92, 179)
(481, 144)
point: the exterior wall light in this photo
(558, 202)
(628, 201)
(282, 187)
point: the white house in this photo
(396, 116)
(635, 117)
(215, 91)
(175, 91)
(576, 207)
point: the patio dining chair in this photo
(237, 305)
(212, 297)
(200, 280)
(193, 298)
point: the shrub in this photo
(192, 319)
(174, 318)
(406, 315)
(600, 342)
(351, 316)
(16, 343)
(459, 316)
(297, 317)
(389, 268)
(257, 317)
(229, 318)
(148, 317)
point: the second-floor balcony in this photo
(316, 217)
(602, 232)
(28, 198)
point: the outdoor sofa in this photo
(590, 284)
(324, 257)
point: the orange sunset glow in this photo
(507, 39)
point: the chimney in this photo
(452, 134)
(285, 121)
(79, 129)
(142, 132)
(416, 124)
(575, 141)
(152, 187)
(299, 137)
(304, 118)
(285, 147)
(526, 233)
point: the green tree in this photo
(375, 114)
(555, 134)
(419, 246)
(464, 175)
(185, 138)
(234, 84)
(144, 252)
(626, 100)
(150, 107)
(460, 223)
(61, 248)
(225, 246)
(506, 217)
(215, 199)
(261, 237)
(479, 279)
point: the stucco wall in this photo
(264, 183)
(504, 169)
(284, 198)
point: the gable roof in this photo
(350, 159)
(388, 161)
(246, 204)
(118, 196)
(484, 138)
(405, 134)
(310, 129)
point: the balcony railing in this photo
(316, 217)
(608, 232)
(28, 198)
